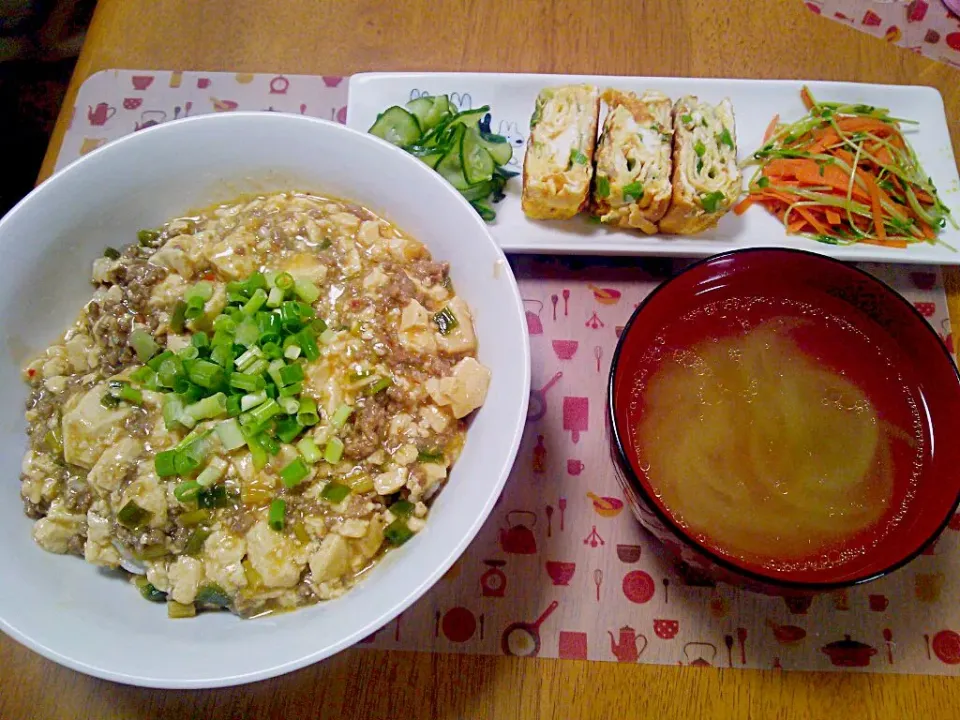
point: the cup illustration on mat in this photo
(879, 603)
(574, 467)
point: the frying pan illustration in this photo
(522, 639)
(538, 399)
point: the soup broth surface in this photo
(778, 434)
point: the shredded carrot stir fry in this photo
(846, 174)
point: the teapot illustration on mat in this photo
(626, 649)
(518, 539)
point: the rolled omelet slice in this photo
(632, 185)
(558, 165)
(706, 178)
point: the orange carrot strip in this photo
(833, 217)
(744, 204)
(807, 100)
(771, 128)
(886, 243)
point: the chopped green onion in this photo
(203, 291)
(261, 413)
(186, 490)
(578, 157)
(334, 450)
(109, 401)
(275, 298)
(252, 400)
(190, 352)
(133, 516)
(200, 340)
(125, 391)
(204, 373)
(307, 415)
(212, 472)
(210, 407)
(445, 321)
(309, 346)
(143, 344)
(54, 440)
(309, 450)
(292, 352)
(686, 119)
(247, 359)
(633, 191)
(711, 201)
(289, 404)
(397, 532)
(278, 509)
(148, 238)
(273, 370)
(603, 186)
(288, 429)
(271, 445)
(402, 508)
(165, 463)
(428, 456)
(256, 301)
(196, 540)
(248, 383)
(290, 374)
(272, 350)
(193, 517)
(340, 416)
(294, 473)
(111, 253)
(284, 281)
(291, 390)
(178, 316)
(335, 492)
(247, 334)
(725, 138)
(212, 497)
(326, 337)
(306, 291)
(148, 591)
(763, 182)
(699, 148)
(212, 594)
(379, 386)
(177, 610)
(145, 375)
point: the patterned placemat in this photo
(928, 27)
(561, 569)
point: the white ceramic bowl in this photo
(90, 621)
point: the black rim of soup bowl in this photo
(626, 468)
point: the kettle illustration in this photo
(702, 649)
(100, 114)
(149, 118)
(518, 539)
(534, 323)
(626, 649)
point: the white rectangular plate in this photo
(511, 99)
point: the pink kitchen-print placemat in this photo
(561, 569)
(927, 27)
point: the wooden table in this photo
(760, 39)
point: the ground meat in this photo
(363, 437)
(429, 272)
(137, 540)
(238, 519)
(77, 496)
(137, 423)
(400, 289)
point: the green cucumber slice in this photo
(420, 109)
(478, 191)
(440, 109)
(478, 164)
(396, 126)
(470, 117)
(450, 166)
(500, 150)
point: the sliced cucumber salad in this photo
(458, 145)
